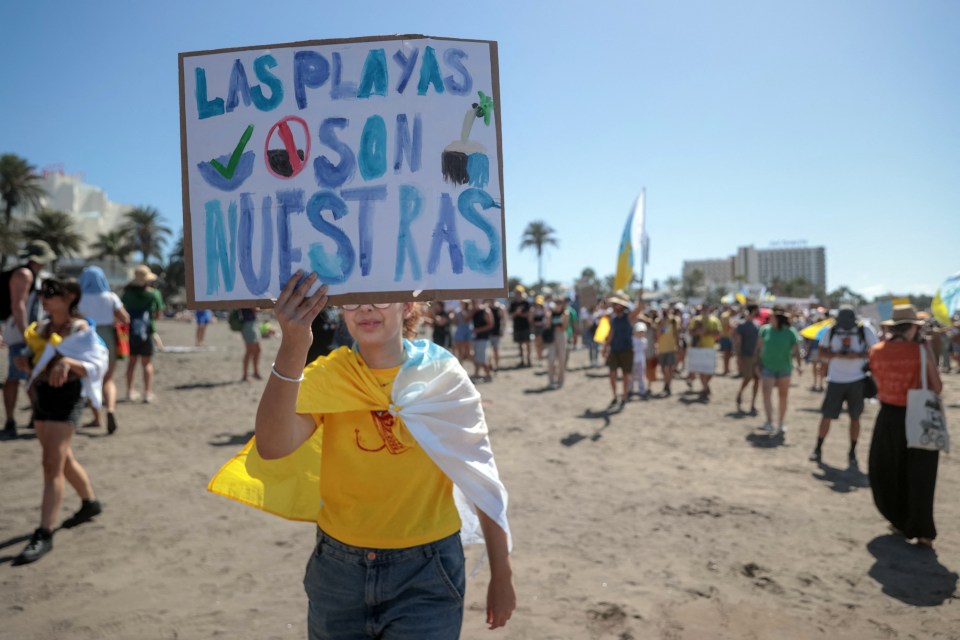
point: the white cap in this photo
(640, 326)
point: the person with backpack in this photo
(844, 349)
(19, 307)
(144, 304)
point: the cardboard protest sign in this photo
(701, 361)
(375, 162)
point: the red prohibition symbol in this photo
(287, 160)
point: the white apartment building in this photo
(762, 266)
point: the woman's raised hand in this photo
(295, 310)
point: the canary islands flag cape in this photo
(432, 395)
(84, 345)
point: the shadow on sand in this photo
(911, 574)
(765, 441)
(842, 480)
(230, 439)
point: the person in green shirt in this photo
(778, 342)
(144, 305)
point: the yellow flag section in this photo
(630, 244)
(947, 301)
(603, 330)
(810, 333)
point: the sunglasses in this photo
(378, 305)
(51, 292)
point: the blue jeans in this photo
(390, 594)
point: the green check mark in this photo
(228, 171)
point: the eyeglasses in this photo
(378, 305)
(51, 292)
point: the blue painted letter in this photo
(310, 69)
(239, 87)
(372, 156)
(289, 201)
(411, 201)
(260, 67)
(221, 259)
(445, 231)
(465, 203)
(257, 284)
(412, 148)
(333, 269)
(453, 59)
(406, 65)
(366, 196)
(429, 73)
(328, 174)
(206, 108)
(340, 90)
(374, 78)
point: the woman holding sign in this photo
(383, 435)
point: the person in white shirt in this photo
(103, 307)
(640, 360)
(844, 347)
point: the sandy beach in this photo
(669, 519)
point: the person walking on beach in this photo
(251, 343)
(440, 319)
(558, 321)
(538, 323)
(482, 321)
(745, 338)
(640, 344)
(778, 342)
(202, 317)
(144, 304)
(668, 341)
(20, 306)
(844, 349)
(902, 479)
(69, 361)
(519, 311)
(618, 349)
(499, 317)
(463, 331)
(383, 434)
(100, 304)
(726, 337)
(704, 332)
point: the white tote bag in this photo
(926, 423)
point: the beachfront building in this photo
(751, 266)
(92, 211)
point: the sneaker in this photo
(41, 543)
(815, 456)
(111, 423)
(88, 510)
(852, 460)
(133, 396)
(767, 428)
(150, 397)
(782, 430)
(10, 428)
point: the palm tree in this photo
(147, 232)
(19, 183)
(113, 246)
(538, 234)
(57, 229)
(672, 283)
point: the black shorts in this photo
(622, 360)
(59, 404)
(140, 347)
(837, 393)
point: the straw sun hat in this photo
(903, 314)
(143, 275)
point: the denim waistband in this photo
(373, 555)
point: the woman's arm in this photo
(501, 594)
(279, 429)
(120, 315)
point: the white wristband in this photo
(274, 372)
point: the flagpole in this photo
(643, 233)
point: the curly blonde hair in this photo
(411, 322)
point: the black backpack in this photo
(860, 334)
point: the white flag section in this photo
(375, 162)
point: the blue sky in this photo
(746, 122)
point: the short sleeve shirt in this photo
(777, 348)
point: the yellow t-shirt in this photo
(379, 488)
(725, 329)
(709, 326)
(667, 336)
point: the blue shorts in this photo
(726, 344)
(203, 316)
(12, 372)
(358, 593)
(776, 375)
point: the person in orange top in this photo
(902, 479)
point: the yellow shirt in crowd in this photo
(709, 326)
(667, 333)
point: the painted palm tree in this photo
(113, 246)
(57, 229)
(538, 234)
(19, 184)
(148, 234)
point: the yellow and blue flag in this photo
(947, 301)
(634, 241)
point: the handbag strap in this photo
(923, 365)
